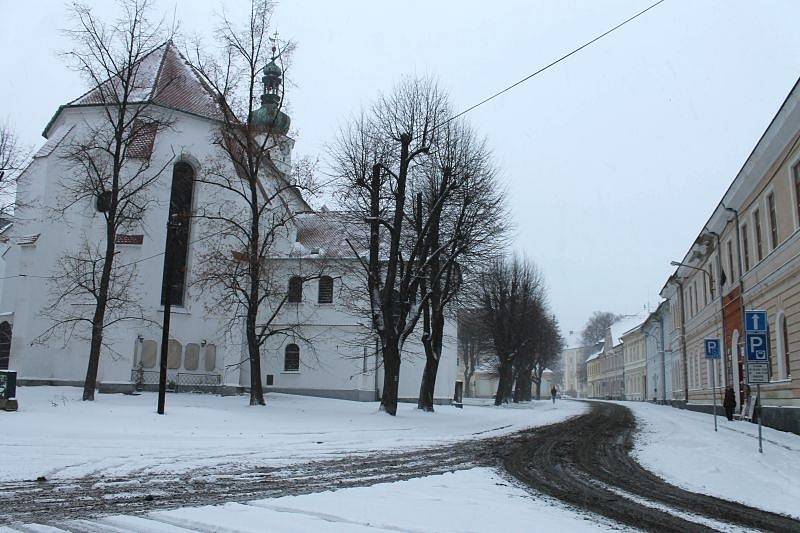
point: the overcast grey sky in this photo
(614, 158)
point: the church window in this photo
(291, 358)
(180, 207)
(295, 289)
(325, 290)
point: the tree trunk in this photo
(256, 388)
(391, 378)
(98, 320)
(539, 389)
(522, 388)
(505, 382)
(254, 270)
(428, 385)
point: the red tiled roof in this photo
(162, 77)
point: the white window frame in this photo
(757, 221)
(793, 189)
(770, 245)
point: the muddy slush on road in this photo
(583, 462)
(586, 462)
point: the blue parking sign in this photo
(712, 348)
(757, 347)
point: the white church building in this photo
(333, 355)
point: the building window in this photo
(180, 208)
(291, 358)
(711, 280)
(796, 183)
(295, 289)
(759, 240)
(730, 260)
(705, 292)
(325, 295)
(773, 221)
(745, 248)
(782, 338)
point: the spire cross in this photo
(274, 40)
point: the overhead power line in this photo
(553, 63)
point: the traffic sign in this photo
(757, 373)
(756, 348)
(712, 348)
(755, 321)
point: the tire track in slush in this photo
(586, 462)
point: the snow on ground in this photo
(467, 500)
(56, 435)
(682, 447)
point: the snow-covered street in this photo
(57, 436)
(468, 500)
(465, 492)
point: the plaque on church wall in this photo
(148, 357)
(174, 354)
(191, 357)
(129, 239)
(210, 359)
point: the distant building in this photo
(605, 365)
(573, 360)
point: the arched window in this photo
(782, 341)
(291, 358)
(325, 290)
(295, 289)
(177, 242)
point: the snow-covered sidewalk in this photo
(56, 435)
(682, 447)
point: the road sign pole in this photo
(758, 410)
(714, 389)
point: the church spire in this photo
(268, 117)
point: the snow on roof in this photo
(326, 233)
(162, 77)
(573, 340)
(597, 353)
(625, 325)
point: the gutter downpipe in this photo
(683, 343)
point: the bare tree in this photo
(463, 207)
(110, 168)
(595, 329)
(548, 347)
(376, 158)
(254, 198)
(471, 344)
(12, 160)
(510, 292)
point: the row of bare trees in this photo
(426, 188)
(511, 310)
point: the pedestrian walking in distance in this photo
(729, 403)
(553, 392)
